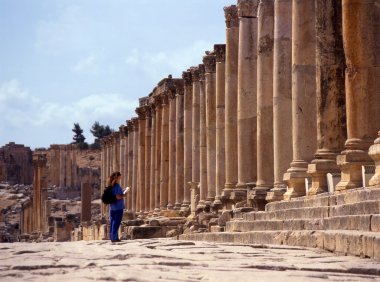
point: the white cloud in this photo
(87, 64)
(21, 112)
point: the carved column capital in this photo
(130, 125)
(194, 74)
(202, 72)
(209, 62)
(231, 16)
(248, 8)
(220, 52)
(141, 112)
(186, 75)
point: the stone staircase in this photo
(347, 223)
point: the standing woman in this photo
(116, 208)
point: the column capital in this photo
(202, 71)
(39, 160)
(194, 74)
(135, 123)
(130, 125)
(141, 112)
(165, 98)
(179, 87)
(220, 52)
(231, 16)
(209, 62)
(248, 8)
(123, 129)
(186, 75)
(148, 111)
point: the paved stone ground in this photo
(170, 260)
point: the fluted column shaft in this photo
(148, 134)
(220, 81)
(195, 174)
(265, 171)
(157, 166)
(135, 163)
(140, 207)
(188, 98)
(231, 100)
(130, 163)
(303, 96)
(361, 32)
(331, 110)
(172, 151)
(179, 167)
(247, 98)
(121, 157)
(282, 96)
(152, 160)
(164, 173)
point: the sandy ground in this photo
(170, 260)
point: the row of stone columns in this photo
(265, 111)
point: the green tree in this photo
(79, 137)
(99, 131)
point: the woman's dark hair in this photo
(113, 177)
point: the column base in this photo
(170, 207)
(276, 193)
(318, 170)
(257, 197)
(217, 204)
(350, 162)
(185, 205)
(295, 178)
(374, 153)
(177, 206)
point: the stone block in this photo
(217, 228)
(360, 208)
(224, 217)
(294, 224)
(375, 223)
(368, 245)
(145, 232)
(376, 248)
(349, 222)
(329, 241)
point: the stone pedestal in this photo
(180, 185)
(247, 98)
(188, 104)
(303, 96)
(231, 91)
(220, 52)
(85, 202)
(331, 110)
(265, 171)
(210, 76)
(282, 96)
(172, 151)
(361, 48)
(374, 153)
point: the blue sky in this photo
(66, 61)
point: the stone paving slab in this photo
(171, 260)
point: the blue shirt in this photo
(119, 204)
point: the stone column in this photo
(69, 165)
(210, 76)
(220, 180)
(203, 138)
(85, 202)
(303, 96)
(164, 170)
(103, 180)
(231, 90)
(361, 32)
(121, 157)
(265, 171)
(172, 151)
(180, 108)
(331, 110)
(130, 163)
(135, 166)
(39, 190)
(282, 97)
(152, 157)
(247, 96)
(148, 134)
(62, 158)
(116, 151)
(157, 165)
(196, 122)
(141, 112)
(188, 100)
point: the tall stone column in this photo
(282, 97)
(121, 157)
(69, 164)
(179, 143)
(303, 96)
(62, 158)
(203, 138)
(130, 163)
(172, 151)
(210, 76)
(361, 32)
(39, 190)
(103, 180)
(196, 122)
(141, 112)
(247, 98)
(135, 165)
(152, 157)
(116, 151)
(164, 173)
(331, 110)
(265, 171)
(231, 91)
(188, 100)
(85, 202)
(220, 180)
(148, 134)
(157, 159)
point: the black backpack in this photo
(108, 196)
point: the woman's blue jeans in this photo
(115, 218)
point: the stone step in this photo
(346, 242)
(350, 222)
(358, 208)
(328, 199)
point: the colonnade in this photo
(294, 94)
